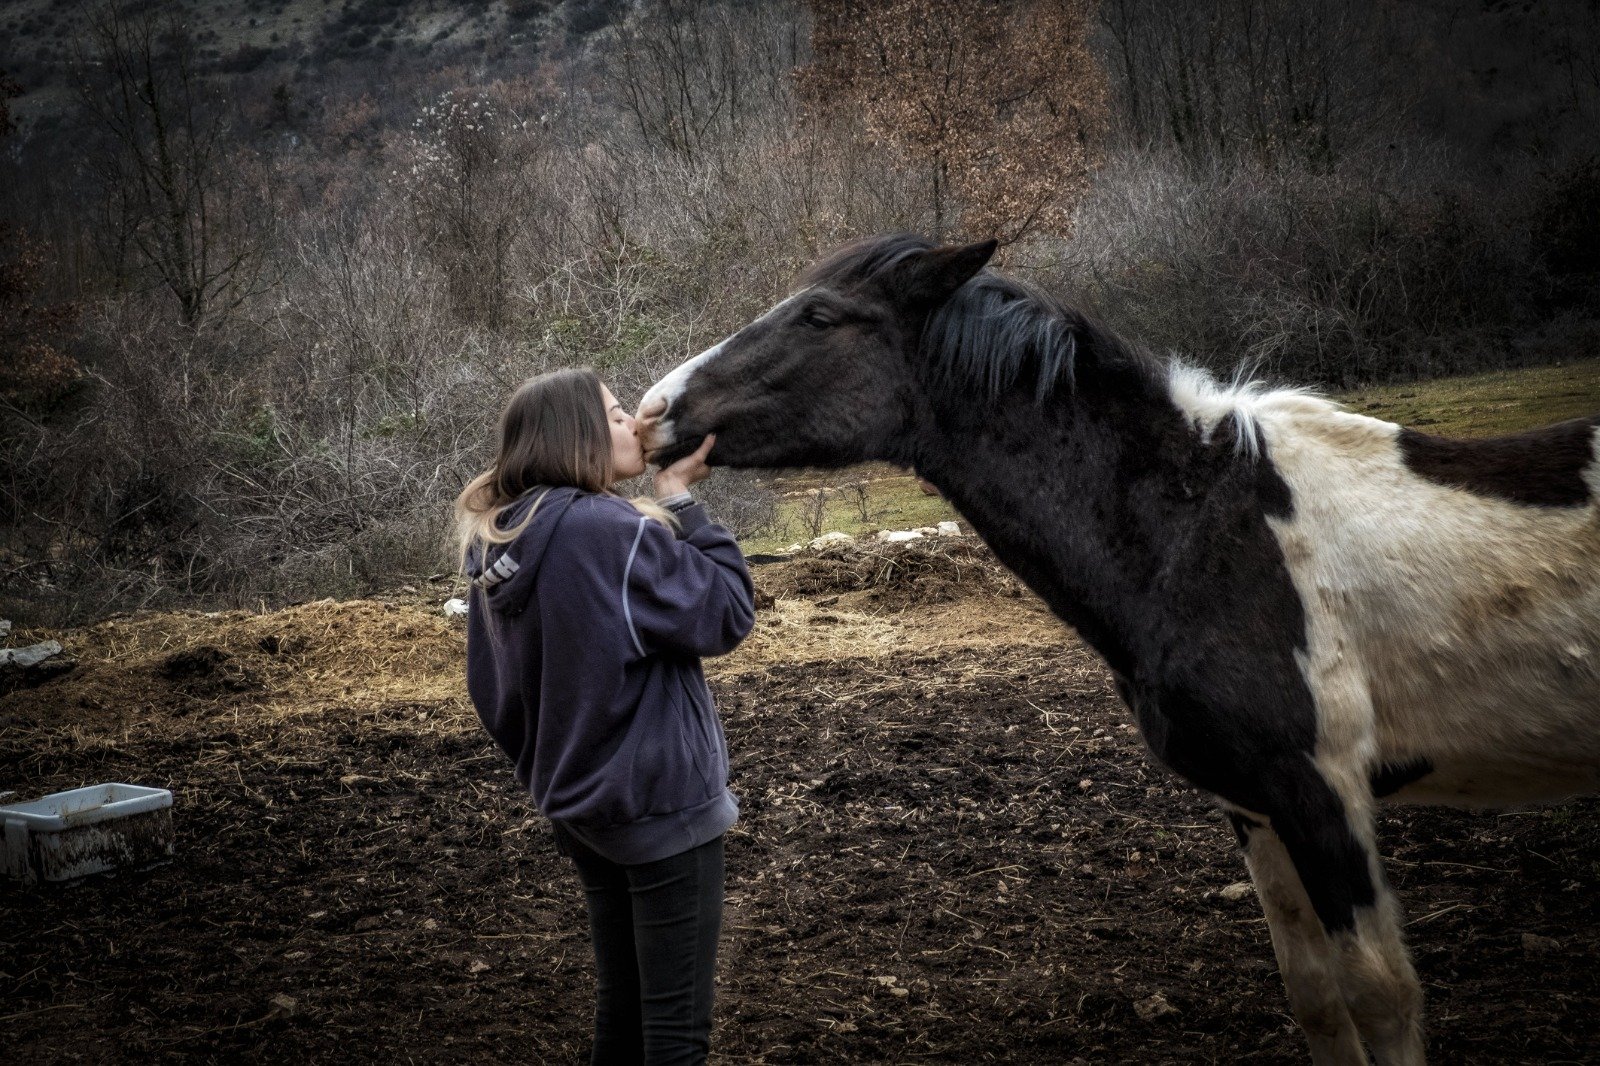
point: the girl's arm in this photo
(692, 596)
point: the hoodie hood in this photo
(505, 573)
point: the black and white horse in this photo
(1307, 610)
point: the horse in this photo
(1307, 610)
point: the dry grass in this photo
(915, 571)
(850, 628)
(157, 669)
(161, 670)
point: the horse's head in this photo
(826, 377)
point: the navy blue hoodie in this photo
(584, 641)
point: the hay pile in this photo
(848, 600)
(302, 659)
(911, 573)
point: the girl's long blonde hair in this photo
(554, 431)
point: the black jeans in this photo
(654, 928)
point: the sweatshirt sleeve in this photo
(692, 595)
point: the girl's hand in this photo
(690, 470)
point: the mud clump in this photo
(206, 670)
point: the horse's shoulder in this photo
(1539, 467)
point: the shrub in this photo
(245, 59)
(1383, 267)
(1566, 222)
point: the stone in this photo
(1534, 944)
(31, 656)
(1153, 1007)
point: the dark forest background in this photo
(269, 268)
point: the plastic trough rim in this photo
(46, 813)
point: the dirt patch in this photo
(953, 848)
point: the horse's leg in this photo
(1381, 987)
(1326, 826)
(1379, 982)
(1305, 958)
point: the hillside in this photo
(282, 40)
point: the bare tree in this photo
(177, 202)
(31, 330)
(473, 180)
(692, 74)
(1002, 101)
(1268, 78)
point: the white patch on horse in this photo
(1207, 402)
(1440, 624)
(1309, 967)
(671, 387)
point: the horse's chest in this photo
(1215, 743)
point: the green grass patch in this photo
(856, 500)
(1483, 405)
(872, 497)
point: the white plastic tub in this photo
(87, 831)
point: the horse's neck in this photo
(1088, 499)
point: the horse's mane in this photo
(995, 331)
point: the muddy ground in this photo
(953, 849)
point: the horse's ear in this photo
(929, 278)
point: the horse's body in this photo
(1451, 624)
(1307, 610)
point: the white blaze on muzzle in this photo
(671, 387)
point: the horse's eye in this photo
(815, 319)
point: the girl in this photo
(588, 619)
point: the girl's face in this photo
(627, 457)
